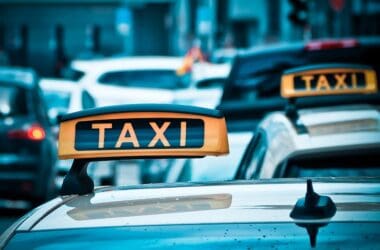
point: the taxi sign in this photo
(140, 131)
(328, 79)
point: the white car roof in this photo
(143, 62)
(59, 85)
(234, 202)
(327, 129)
(204, 71)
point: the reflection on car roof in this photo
(242, 202)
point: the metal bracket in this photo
(292, 113)
(77, 180)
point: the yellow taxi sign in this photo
(328, 79)
(141, 131)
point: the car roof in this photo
(135, 62)
(328, 120)
(227, 202)
(327, 129)
(21, 76)
(296, 46)
(207, 71)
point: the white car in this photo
(206, 88)
(129, 80)
(63, 96)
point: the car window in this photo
(210, 83)
(363, 162)
(162, 79)
(13, 101)
(72, 74)
(253, 157)
(57, 100)
(87, 100)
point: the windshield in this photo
(57, 100)
(72, 74)
(12, 101)
(345, 164)
(162, 79)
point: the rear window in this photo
(72, 74)
(12, 101)
(56, 100)
(162, 79)
(344, 164)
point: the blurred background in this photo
(48, 34)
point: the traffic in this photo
(272, 143)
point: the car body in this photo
(335, 141)
(27, 148)
(332, 140)
(231, 215)
(252, 89)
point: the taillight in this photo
(331, 44)
(34, 132)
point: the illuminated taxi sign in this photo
(142, 131)
(328, 79)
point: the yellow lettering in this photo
(307, 80)
(340, 81)
(322, 83)
(132, 138)
(101, 127)
(354, 81)
(159, 134)
(182, 142)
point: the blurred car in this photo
(336, 140)
(63, 96)
(340, 141)
(27, 148)
(228, 215)
(206, 88)
(208, 168)
(129, 80)
(252, 89)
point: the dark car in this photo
(253, 86)
(27, 148)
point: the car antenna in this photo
(292, 113)
(313, 207)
